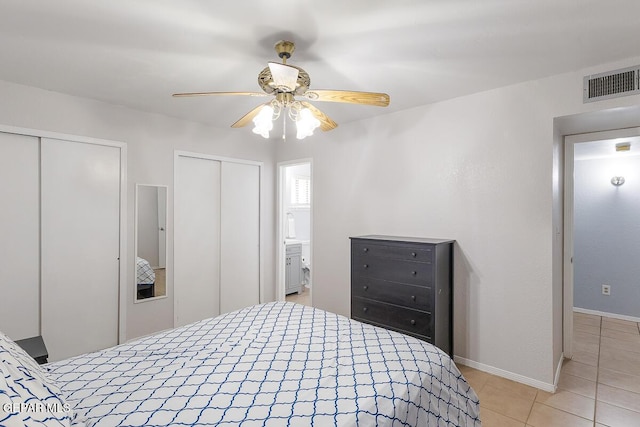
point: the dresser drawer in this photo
(395, 252)
(395, 270)
(410, 296)
(402, 319)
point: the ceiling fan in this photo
(286, 82)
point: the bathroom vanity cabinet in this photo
(293, 272)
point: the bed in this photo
(145, 278)
(274, 364)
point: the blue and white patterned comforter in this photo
(276, 364)
(144, 273)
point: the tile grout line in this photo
(598, 360)
(563, 410)
(531, 409)
(595, 401)
(558, 409)
(600, 343)
(608, 385)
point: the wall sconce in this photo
(617, 180)
(623, 146)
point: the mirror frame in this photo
(136, 227)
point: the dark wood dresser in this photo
(404, 284)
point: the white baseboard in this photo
(509, 375)
(556, 380)
(605, 314)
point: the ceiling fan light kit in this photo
(306, 123)
(263, 122)
(285, 82)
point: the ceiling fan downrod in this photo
(284, 48)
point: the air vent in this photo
(612, 84)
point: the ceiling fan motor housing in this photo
(265, 81)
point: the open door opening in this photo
(600, 237)
(295, 267)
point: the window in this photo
(301, 191)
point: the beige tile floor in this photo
(599, 387)
(303, 297)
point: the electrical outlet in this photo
(606, 290)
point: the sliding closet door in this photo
(196, 239)
(80, 246)
(19, 236)
(240, 236)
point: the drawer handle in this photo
(365, 287)
(365, 249)
(413, 297)
(413, 322)
(365, 309)
(414, 272)
(413, 254)
(366, 266)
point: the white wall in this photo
(479, 169)
(607, 234)
(151, 141)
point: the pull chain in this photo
(284, 129)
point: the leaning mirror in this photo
(151, 242)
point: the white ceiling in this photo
(606, 148)
(138, 52)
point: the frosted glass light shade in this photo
(306, 124)
(263, 121)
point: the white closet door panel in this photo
(80, 246)
(240, 236)
(19, 236)
(196, 239)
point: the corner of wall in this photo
(508, 375)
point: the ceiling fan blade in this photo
(246, 119)
(325, 121)
(351, 97)
(284, 76)
(179, 95)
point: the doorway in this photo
(594, 225)
(295, 225)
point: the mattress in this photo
(144, 273)
(274, 364)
